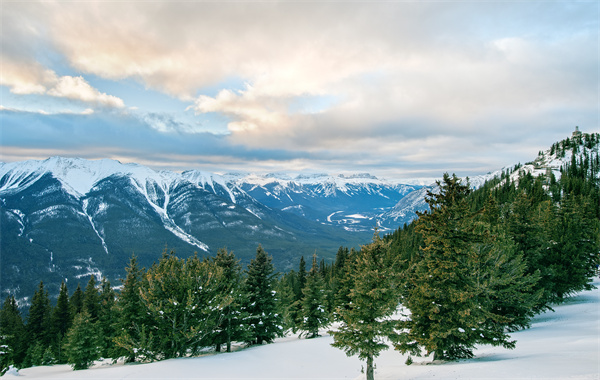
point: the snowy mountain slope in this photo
(559, 345)
(353, 202)
(68, 218)
(558, 156)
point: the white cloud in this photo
(76, 88)
(31, 78)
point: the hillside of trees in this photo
(480, 264)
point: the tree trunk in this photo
(370, 375)
(229, 334)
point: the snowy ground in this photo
(564, 344)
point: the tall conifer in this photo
(366, 320)
(265, 324)
(313, 305)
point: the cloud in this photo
(76, 88)
(448, 84)
(32, 78)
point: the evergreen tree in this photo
(366, 320)
(131, 313)
(572, 255)
(265, 323)
(286, 300)
(6, 353)
(343, 282)
(83, 343)
(456, 282)
(184, 305)
(39, 319)
(76, 301)
(301, 279)
(12, 333)
(232, 317)
(91, 299)
(107, 318)
(313, 305)
(61, 321)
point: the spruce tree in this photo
(313, 305)
(76, 301)
(91, 299)
(265, 324)
(61, 321)
(459, 279)
(299, 283)
(184, 305)
(107, 317)
(12, 331)
(366, 320)
(83, 345)
(39, 319)
(232, 317)
(131, 313)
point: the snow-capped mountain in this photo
(67, 218)
(353, 202)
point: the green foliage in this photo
(62, 320)
(463, 281)
(6, 354)
(76, 301)
(231, 327)
(477, 266)
(12, 333)
(107, 317)
(184, 305)
(265, 323)
(131, 313)
(39, 319)
(313, 305)
(83, 345)
(366, 319)
(91, 299)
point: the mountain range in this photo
(69, 218)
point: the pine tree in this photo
(83, 343)
(131, 313)
(265, 323)
(6, 353)
(296, 307)
(184, 305)
(61, 321)
(286, 299)
(91, 299)
(366, 320)
(107, 318)
(572, 255)
(39, 319)
(232, 318)
(76, 301)
(12, 333)
(313, 305)
(458, 280)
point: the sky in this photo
(398, 89)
